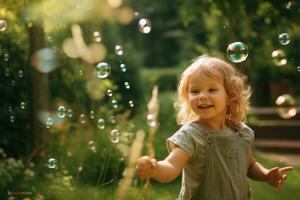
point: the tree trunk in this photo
(39, 93)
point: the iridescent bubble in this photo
(109, 92)
(286, 106)
(61, 112)
(92, 146)
(115, 136)
(3, 25)
(52, 163)
(119, 50)
(103, 70)
(144, 25)
(21, 73)
(150, 120)
(127, 85)
(123, 67)
(23, 105)
(92, 114)
(45, 60)
(101, 124)
(237, 52)
(82, 118)
(279, 57)
(131, 103)
(284, 38)
(114, 103)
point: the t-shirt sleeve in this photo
(248, 134)
(182, 140)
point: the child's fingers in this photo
(286, 169)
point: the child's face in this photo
(207, 98)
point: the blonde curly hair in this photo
(234, 83)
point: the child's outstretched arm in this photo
(165, 170)
(275, 176)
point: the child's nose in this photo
(202, 96)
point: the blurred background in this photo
(78, 104)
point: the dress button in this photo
(209, 141)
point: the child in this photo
(212, 148)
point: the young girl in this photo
(212, 148)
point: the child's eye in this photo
(213, 90)
(194, 91)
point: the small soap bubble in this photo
(49, 122)
(298, 68)
(103, 70)
(70, 113)
(22, 105)
(6, 57)
(82, 119)
(115, 136)
(52, 163)
(3, 25)
(150, 120)
(101, 124)
(279, 57)
(97, 36)
(61, 112)
(92, 146)
(109, 92)
(144, 25)
(12, 119)
(127, 85)
(20, 73)
(237, 52)
(112, 119)
(123, 67)
(45, 60)
(7, 72)
(119, 50)
(13, 83)
(131, 103)
(114, 103)
(284, 38)
(92, 114)
(286, 106)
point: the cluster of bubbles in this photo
(237, 52)
(286, 106)
(3, 25)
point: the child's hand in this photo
(276, 176)
(146, 167)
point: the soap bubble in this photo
(144, 25)
(123, 67)
(103, 70)
(109, 92)
(126, 85)
(237, 52)
(298, 68)
(92, 146)
(284, 38)
(286, 106)
(61, 112)
(45, 60)
(52, 163)
(101, 123)
(279, 57)
(115, 136)
(119, 50)
(3, 25)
